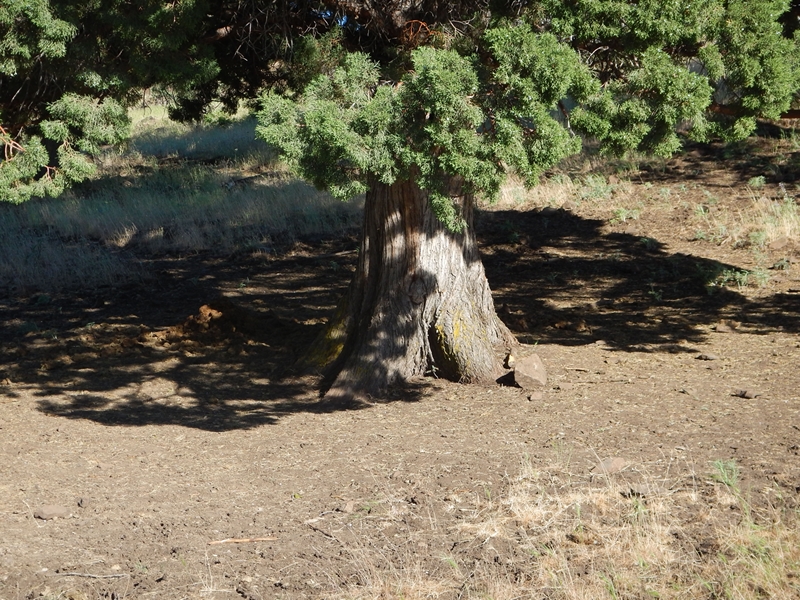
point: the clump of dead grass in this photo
(588, 538)
(563, 190)
(764, 221)
(606, 538)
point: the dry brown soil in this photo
(164, 417)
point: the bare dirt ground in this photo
(163, 420)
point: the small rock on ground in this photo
(609, 466)
(726, 327)
(529, 373)
(51, 511)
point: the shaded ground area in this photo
(166, 416)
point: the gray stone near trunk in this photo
(529, 373)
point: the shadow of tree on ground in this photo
(139, 355)
(560, 279)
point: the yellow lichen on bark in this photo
(329, 344)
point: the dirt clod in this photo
(51, 511)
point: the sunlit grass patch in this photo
(562, 189)
(566, 536)
(213, 189)
(763, 222)
(609, 539)
(235, 141)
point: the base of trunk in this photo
(419, 303)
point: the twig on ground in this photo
(30, 510)
(242, 540)
(326, 534)
(92, 576)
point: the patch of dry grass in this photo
(177, 190)
(754, 215)
(605, 538)
(569, 537)
(38, 259)
(565, 190)
(763, 222)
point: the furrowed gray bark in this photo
(419, 303)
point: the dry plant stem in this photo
(30, 510)
(242, 540)
(92, 576)
(327, 535)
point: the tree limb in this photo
(732, 111)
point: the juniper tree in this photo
(69, 69)
(454, 110)
(425, 106)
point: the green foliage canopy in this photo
(748, 57)
(68, 73)
(449, 116)
(366, 92)
(516, 96)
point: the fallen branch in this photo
(242, 540)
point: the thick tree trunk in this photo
(418, 304)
